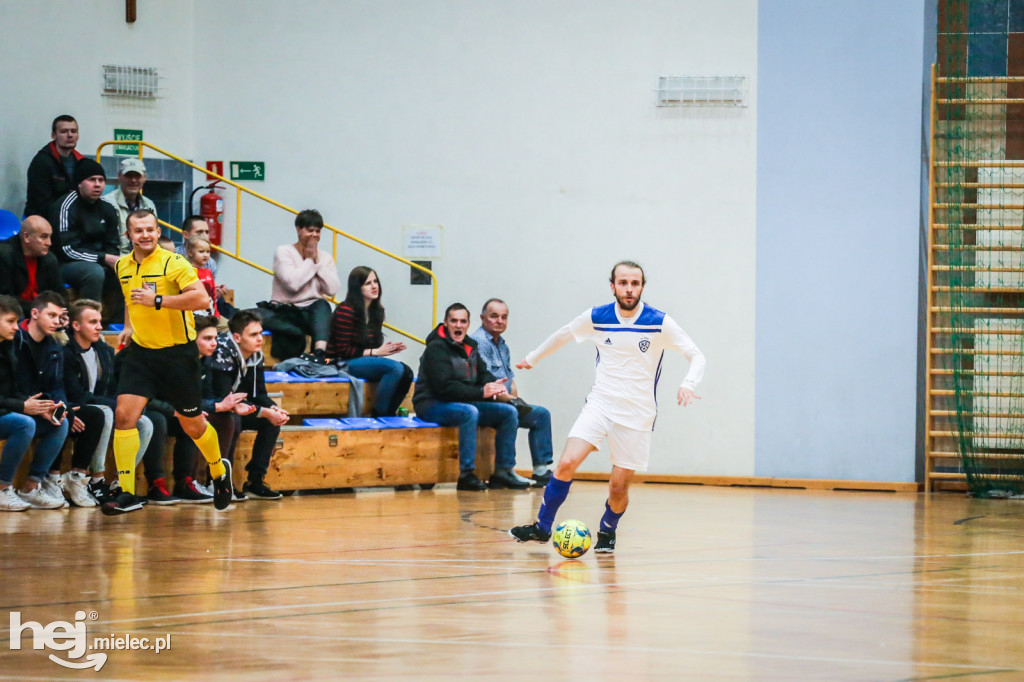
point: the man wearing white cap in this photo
(131, 176)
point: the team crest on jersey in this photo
(644, 345)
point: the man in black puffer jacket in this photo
(27, 265)
(454, 388)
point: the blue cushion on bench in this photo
(322, 423)
(275, 377)
(406, 423)
(360, 424)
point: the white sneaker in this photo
(77, 487)
(53, 485)
(207, 489)
(38, 499)
(9, 500)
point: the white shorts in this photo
(630, 449)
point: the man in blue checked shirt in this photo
(494, 351)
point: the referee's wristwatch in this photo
(157, 302)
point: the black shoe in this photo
(541, 480)
(530, 533)
(260, 490)
(157, 494)
(222, 490)
(469, 481)
(605, 542)
(122, 504)
(188, 493)
(101, 491)
(239, 496)
(507, 479)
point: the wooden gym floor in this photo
(707, 583)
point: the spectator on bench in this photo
(90, 383)
(39, 373)
(454, 388)
(166, 243)
(18, 418)
(198, 256)
(357, 338)
(304, 276)
(131, 176)
(495, 352)
(87, 234)
(234, 379)
(27, 265)
(52, 170)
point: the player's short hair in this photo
(309, 218)
(483, 311)
(453, 307)
(63, 118)
(139, 213)
(241, 320)
(204, 322)
(628, 264)
(46, 298)
(8, 305)
(186, 226)
(79, 307)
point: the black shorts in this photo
(170, 374)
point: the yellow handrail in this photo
(238, 228)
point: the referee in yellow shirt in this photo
(161, 360)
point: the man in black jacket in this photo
(87, 236)
(27, 266)
(18, 413)
(53, 167)
(454, 388)
(91, 388)
(39, 373)
(237, 367)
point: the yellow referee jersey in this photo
(167, 273)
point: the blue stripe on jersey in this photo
(650, 316)
(657, 377)
(642, 330)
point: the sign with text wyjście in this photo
(248, 170)
(126, 134)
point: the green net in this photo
(977, 273)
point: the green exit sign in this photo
(125, 134)
(248, 170)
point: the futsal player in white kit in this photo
(631, 339)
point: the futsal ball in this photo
(571, 538)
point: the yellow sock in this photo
(210, 447)
(126, 446)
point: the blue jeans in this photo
(394, 379)
(467, 416)
(19, 429)
(539, 424)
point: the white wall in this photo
(529, 131)
(53, 52)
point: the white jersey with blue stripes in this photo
(630, 351)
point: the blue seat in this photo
(9, 224)
(360, 424)
(322, 423)
(407, 423)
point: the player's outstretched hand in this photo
(523, 364)
(686, 396)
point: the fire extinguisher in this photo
(211, 208)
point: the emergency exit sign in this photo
(248, 170)
(126, 134)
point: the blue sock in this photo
(554, 495)
(610, 520)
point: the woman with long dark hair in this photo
(357, 338)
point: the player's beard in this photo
(623, 305)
